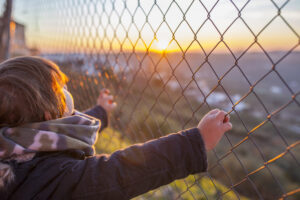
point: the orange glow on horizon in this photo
(67, 44)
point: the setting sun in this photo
(162, 45)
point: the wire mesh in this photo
(168, 63)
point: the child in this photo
(46, 147)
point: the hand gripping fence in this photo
(168, 63)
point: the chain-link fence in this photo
(168, 63)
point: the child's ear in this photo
(47, 116)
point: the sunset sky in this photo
(71, 25)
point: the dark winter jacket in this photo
(122, 175)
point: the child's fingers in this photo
(227, 118)
(110, 105)
(105, 96)
(110, 101)
(109, 97)
(221, 115)
(105, 91)
(114, 104)
(214, 111)
(227, 126)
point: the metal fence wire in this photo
(168, 63)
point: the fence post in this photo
(5, 31)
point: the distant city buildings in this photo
(17, 42)
(18, 45)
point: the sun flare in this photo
(162, 45)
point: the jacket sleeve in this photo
(99, 113)
(142, 167)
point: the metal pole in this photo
(7, 22)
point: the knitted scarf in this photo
(78, 131)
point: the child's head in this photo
(31, 90)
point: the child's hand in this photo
(212, 127)
(106, 100)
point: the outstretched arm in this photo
(142, 167)
(139, 168)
